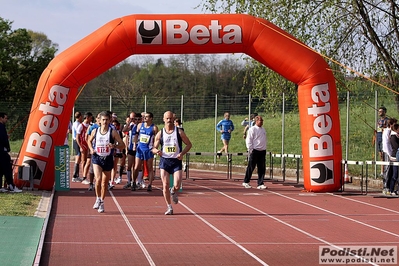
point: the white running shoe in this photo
(261, 187)
(169, 211)
(118, 180)
(246, 185)
(97, 204)
(101, 207)
(85, 181)
(175, 198)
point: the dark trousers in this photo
(258, 159)
(6, 168)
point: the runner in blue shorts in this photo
(145, 139)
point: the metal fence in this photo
(358, 113)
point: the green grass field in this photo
(18, 204)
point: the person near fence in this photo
(387, 149)
(78, 156)
(381, 125)
(69, 131)
(395, 157)
(256, 143)
(179, 124)
(5, 158)
(102, 143)
(225, 127)
(81, 140)
(171, 139)
(247, 124)
(145, 139)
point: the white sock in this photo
(129, 176)
(140, 177)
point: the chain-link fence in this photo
(358, 114)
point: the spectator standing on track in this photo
(171, 155)
(102, 142)
(256, 142)
(381, 124)
(395, 154)
(387, 148)
(225, 127)
(5, 158)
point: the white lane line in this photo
(281, 221)
(136, 237)
(336, 214)
(365, 203)
(224, 235)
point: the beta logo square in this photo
(149, 32)
(322, 173)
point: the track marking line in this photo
(136, 237)
(336, 214)
(365, 203)
(280, 221)
(224, 235)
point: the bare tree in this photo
(360, 34)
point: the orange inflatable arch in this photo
(183, 34)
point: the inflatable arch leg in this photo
(181, 34)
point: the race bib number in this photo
(103, 150)
(170, 149)
(144, 138)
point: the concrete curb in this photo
(44, 211)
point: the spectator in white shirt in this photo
(387, 149)
(256, 142)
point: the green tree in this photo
(361, 34)
(24, 55)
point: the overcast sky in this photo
(67, 21)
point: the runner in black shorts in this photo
(171, 139)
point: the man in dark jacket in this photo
(5, 158)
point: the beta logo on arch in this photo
(149, 32)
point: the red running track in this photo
(217, 222)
